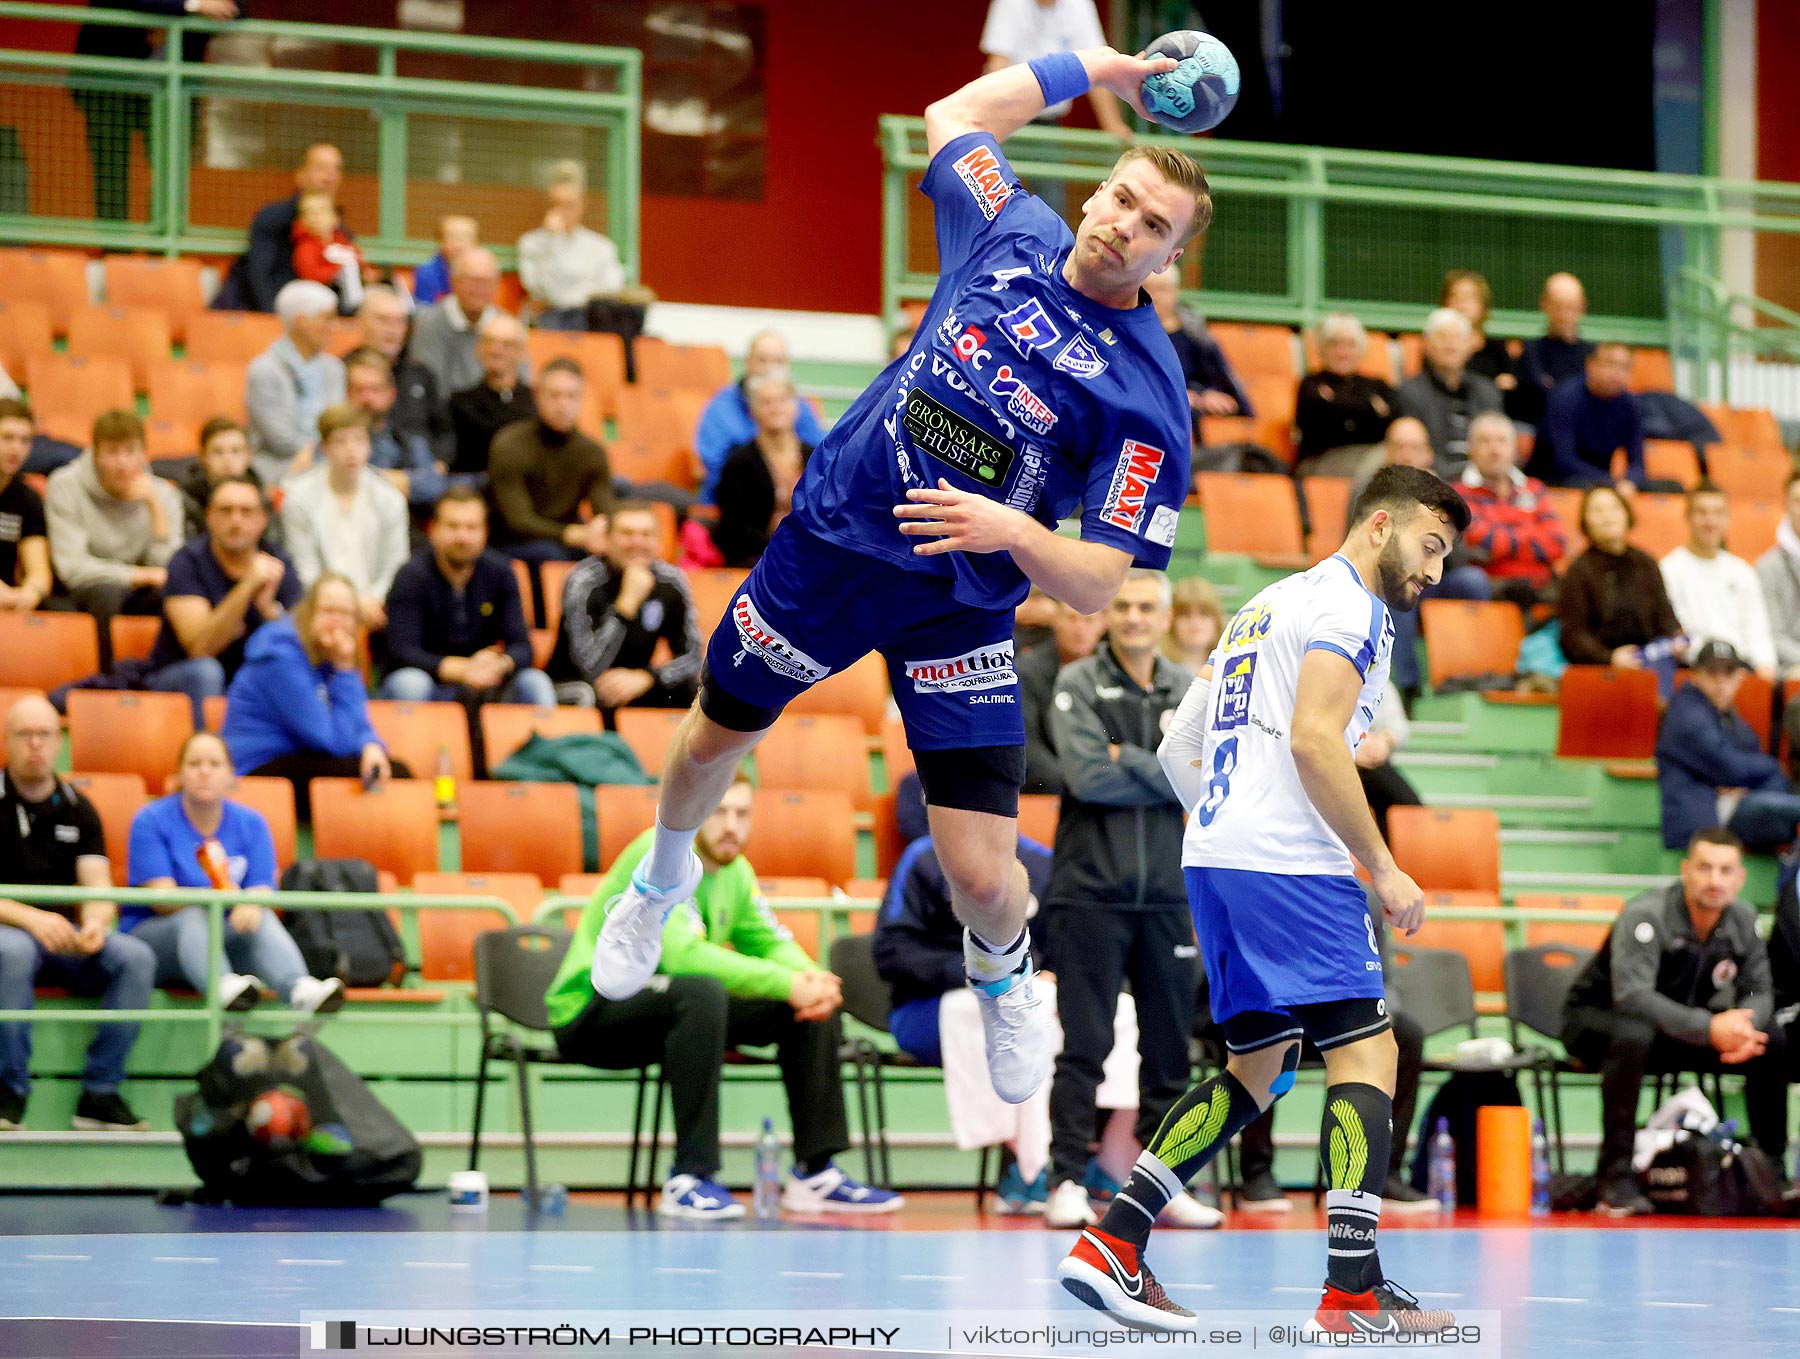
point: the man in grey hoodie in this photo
(113, 526)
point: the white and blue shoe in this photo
(832, 1191)
(1015, 1027)
(697, 1200)
(630, 942)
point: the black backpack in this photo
(349, 1151)
(1456, 1101)
(361, 947)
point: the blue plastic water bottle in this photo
(766, 1199)
(1540, 1169)
(1441, 1184)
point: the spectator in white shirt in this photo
(564, 265)
(1717, 595)
(1020, 31)
(1778, 571)
(344, 517)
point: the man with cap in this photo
(1712, 770)
(1680, 984)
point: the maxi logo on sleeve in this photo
(986, 667)
(948, 437)
(1139, 466)
(770, 647)
(980, 170)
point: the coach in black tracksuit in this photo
(1117, 904)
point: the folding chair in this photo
(1538, 980)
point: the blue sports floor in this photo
(125, 1277)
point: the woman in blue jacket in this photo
(197, 837)
(299, 709)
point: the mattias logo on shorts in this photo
(947, 436)
(987, 667)
(980, 170)
(1139, 466)
(774, 650)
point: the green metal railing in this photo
(1730, 340)
(426, 122)
(210, 1013)
(1301, 231)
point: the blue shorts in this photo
(810, 608)
(1273, 941)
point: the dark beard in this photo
(1391, 576)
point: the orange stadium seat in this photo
(1661, 523)
(816, 751)
(712, 590)
(1565, 504)
(214, 708)
(1753, 526)
(1412, 354)
(67, 391)
(1651, 371)
(890, 844)
(138, 335)
(1328, 508)
(521, 828)
(57, 278)
(420, 733)
(896, 754)
(447, 936)
(1747, 427)
(1481, 942)
(230, 336)
(274, 798)
(555, 577)
(395, 826)
(507, 726)
(133, 636)
(648, 732)
(704, 368)
(1607, 713)
(46, 650)
(804, 833)
(1673, 460)
(601, 358)
(642, 461)
(1746, 473)
(860, 691)
(1257, 350)
(116, 797)
(189, 392)
(1584, 934)
(1038, 813)
(24, 333)
(171, 286)
(1250, 514)
(624, 813)
(121, 732)
(1467, 640)
(165, 440)
(1447, 849)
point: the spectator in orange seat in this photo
(1341, 413)
(420, 406)
(113, 526)
(501, 398)
(756, 484)
(402, 456)
(267, 266)
(431, 280)
(292, 381)
(1715, 593)
(299, 709)
(1588, 419)
(571, 272)
(1557, 355)
(1466, 291)
(616, 608)
(443, 339)
(540, 473)
(1445, 395)
(1212, 387)
(25, 578)
(726, 423)
(1196, 621)
(325, 253)
(1613, 603)
(1514, 534)
(343, 516)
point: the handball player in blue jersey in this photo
(1039, 385)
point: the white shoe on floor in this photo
(630, 943)
(1015, 1026)
(239, 991)
(1068, 1207)
(317, 995)
(1184, 1210)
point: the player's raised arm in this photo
(1001, 102)
(1324, 704)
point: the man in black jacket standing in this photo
(1682, 983)
(1117, 903)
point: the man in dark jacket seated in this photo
(1681, 983)
(1710, 768)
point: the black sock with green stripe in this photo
(1196, 1129)
(1354, 1144)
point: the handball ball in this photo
(1200, 91)
(278, 1116)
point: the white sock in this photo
(986, 962)
(670, 853)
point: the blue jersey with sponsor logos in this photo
(1016, 386)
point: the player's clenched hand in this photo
(1124, 75)
(1402, 903)
(959, 521)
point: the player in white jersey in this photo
(1261, 752)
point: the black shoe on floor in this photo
(106, 1113)
(1620, 1196)
(1261, 1194)
(12, 1109)
(1397, 1196)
